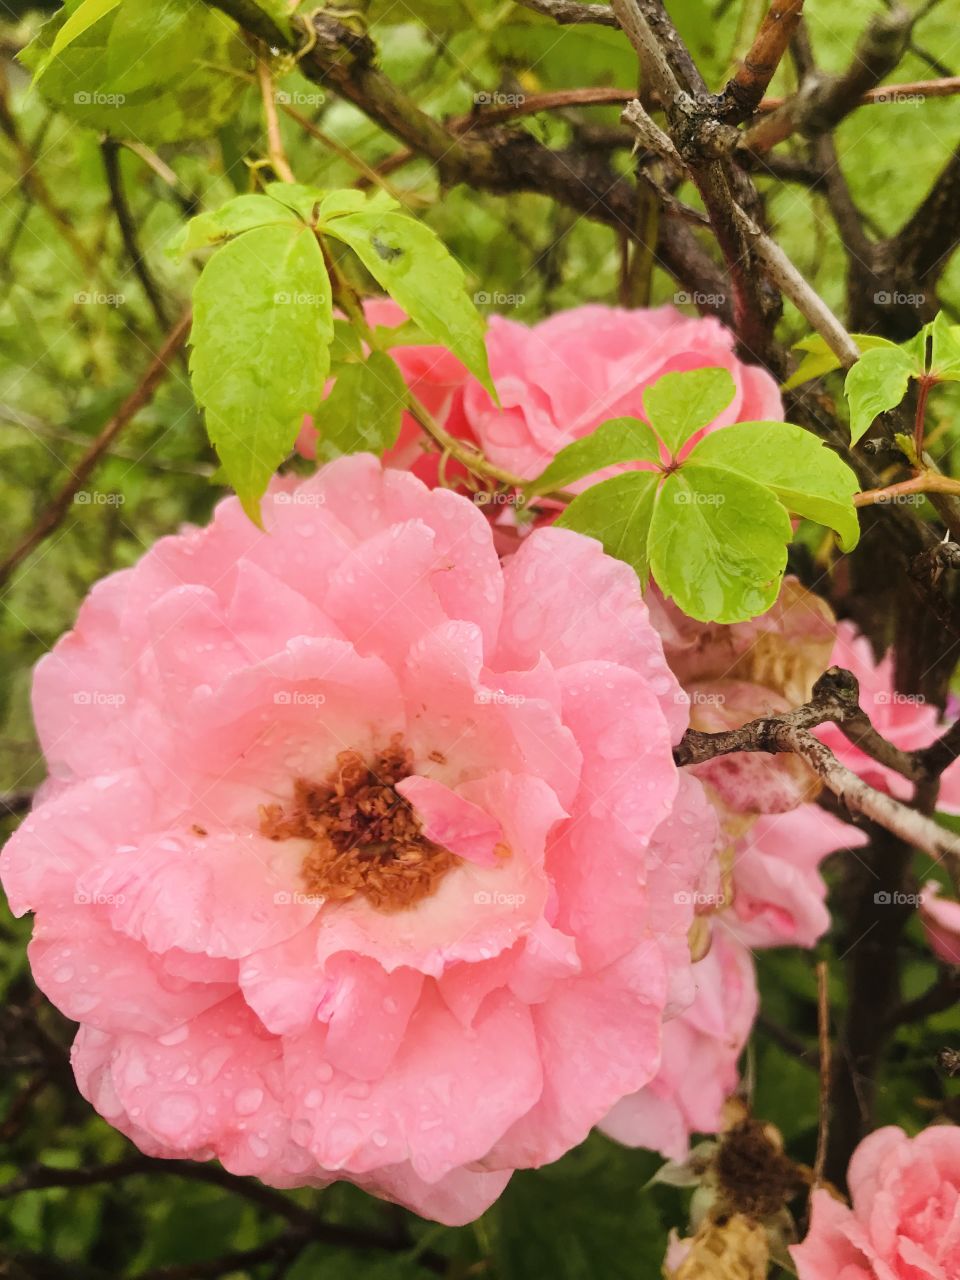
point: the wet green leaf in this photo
(618, 440)
(262, 330)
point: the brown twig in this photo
(570, 12)
(835, 698)
(275, 151)
(823, 1039)
(140, 396)
(924, 482)
(110, 150)
(741, 96)
(823, 101)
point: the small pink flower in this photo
(559, 379)
(364, 856)
(940, 918)
(904, 1223)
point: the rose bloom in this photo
(363, 856)
(559, 379)
(904, 1223)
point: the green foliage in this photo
(90, 64)
(263, 323)
(262, 329)
(415, 268)
(880, 378)
(712, 527)
(364, 408)
(819, 359)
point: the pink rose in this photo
(701, 1048)
(940, 918)
(560, 379)
(905, 1219)
(364, 857)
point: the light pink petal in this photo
(453, 822)
(589, 610)
(445, 1101)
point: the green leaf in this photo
(105, 83)
(876, 383)
(333, 204)
(678, 404)
(262, 329)
(413, 265)
(590, 1216)
(617, 512)
(83, 16)
(807, 476)
(945, 350)
(363, 410)
(240, 214)
(820, 359)
(617, 440)
(718, 543)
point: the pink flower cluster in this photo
(364, 854)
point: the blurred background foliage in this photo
(77, 327)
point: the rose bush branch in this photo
(835, 699)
